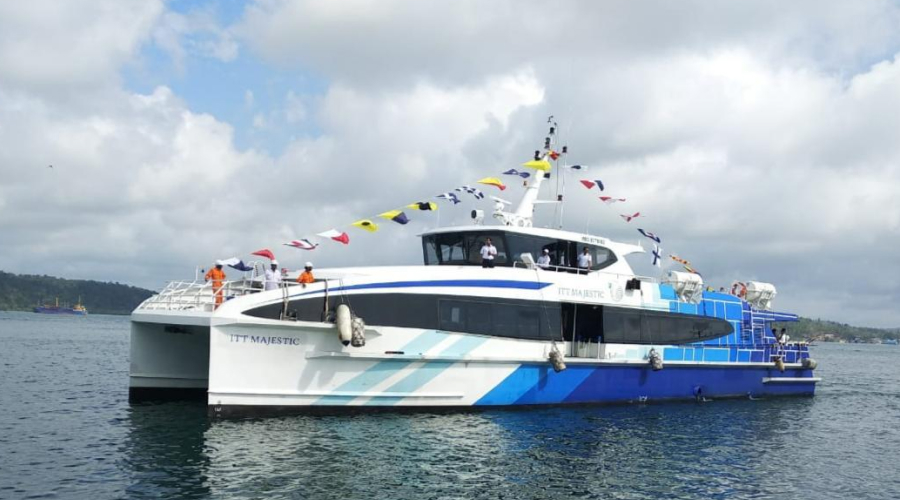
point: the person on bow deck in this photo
(273, 276)
(306, 277)
(543, 261)
(783, 336)
(488, 252)
(217, 276)
(585, 261)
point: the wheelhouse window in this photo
(463, 249)
(563, 253)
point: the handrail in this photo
(193, 295)
(577, 270)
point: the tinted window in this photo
(511, 318)
(462, 249)
(501, 319)
(633, 326)
(600, 256)
(495, 317)
(519, 244)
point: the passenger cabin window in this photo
(509, 318)
(463, 249)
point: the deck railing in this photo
(199, 296)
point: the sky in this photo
(759, 139)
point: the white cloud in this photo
(47, 45)
(759, 140)
(197, 33)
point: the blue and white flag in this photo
(513, 171)
(650, 235)
(236, 263)
(449, 197)
(473, 191)
(657, 255)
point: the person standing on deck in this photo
(217, 275)
(543, 261)
(306, 277)
(488, 252)
(273, 276)
(585, 261)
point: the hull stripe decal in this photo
(429, 370)
(513, 284)
(382, 370)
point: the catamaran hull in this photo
(270, 368)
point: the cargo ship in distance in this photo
(449, 333)
(76, 310)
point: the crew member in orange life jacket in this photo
(217, 275)
(306, 276)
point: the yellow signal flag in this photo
(367, 225)
(423, 205)
(390, 214)
(493, 181)
(395, 215)
(542, 165)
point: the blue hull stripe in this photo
(382, 370)
(429, 371)
(513, 284)
(539, 384)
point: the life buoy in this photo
(739, 289)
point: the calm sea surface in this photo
(67, 431)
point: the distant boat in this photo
(890, 342)
(77, 310)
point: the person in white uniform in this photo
(488, 252)
(585, 261)
(543, 261)
(273, 276)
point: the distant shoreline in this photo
(29, 311)
(23, 292)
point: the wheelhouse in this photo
(462, 248)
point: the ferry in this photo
(449, 333)
(77, 310)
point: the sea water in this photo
(68, 431)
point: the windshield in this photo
(464, 249)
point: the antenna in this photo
(565, 154)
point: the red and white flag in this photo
(629, 218)
(336, 236)
(609, 200)
(265, 252)
(303, 244)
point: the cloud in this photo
(48, 46)
(386, 42)
(196, 32)
(758, 140)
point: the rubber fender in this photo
(344, 325)
(358, 338)
(556, 360)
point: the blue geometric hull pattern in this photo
(539, 384)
